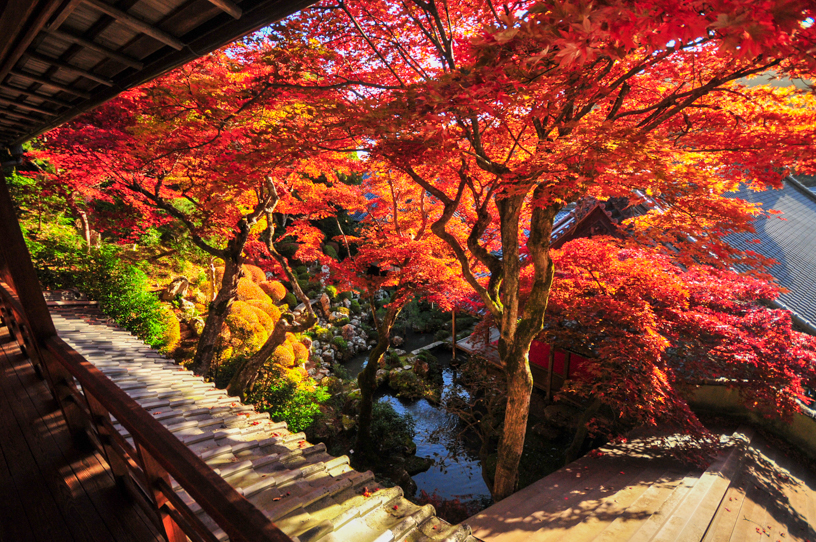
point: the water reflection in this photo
(457, 471)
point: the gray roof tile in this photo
(790, 239)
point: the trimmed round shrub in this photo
(340, 342)
(246, 329)
(355, 307)
(254, 273)
(291, 337)
(301, 270)
(264, 319)
(331, 291)
(330, 252)
(283, 355)
(290, 300)
(300, 351)
(269, 308)
(274, 289)
(344, 296)
(172, 330)
(249, 290)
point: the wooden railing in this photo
(147, 466)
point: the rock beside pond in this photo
(396, 340)
(415, 465)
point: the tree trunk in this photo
(581, 433)
(248, 371)
(511, 444)
(367, 381)
(219, 309)
(86, 230)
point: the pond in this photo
(457, 470)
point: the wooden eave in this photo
(61, 58)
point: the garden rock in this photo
(396, 340)
(347, 331)
(177, 288)
(328, 356)
(325, 306)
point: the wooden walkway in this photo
(53, 489)
(753, 492)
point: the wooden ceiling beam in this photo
(18, 116)
(32, 94)
(69, 67)
(229, 7)
(60, 17)
(26, 107)
(135, 24)
(50, 83)
(93, 46)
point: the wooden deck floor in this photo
(753, 493)
(51, 489)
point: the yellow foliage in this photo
(172, 330)
(270, 309)
(283, 355)
(249, 290)
(254, 273)
(274, 289)
(264, 319)
(245, 326)
(300, 351)
(297, 374)
(290, 337)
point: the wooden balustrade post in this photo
(18, 270)
(550, 365)
(99, 417)
(153, 473)
(567, 356)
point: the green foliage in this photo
(341, 322)
(122, 293)
(331, 291)
(330, 252)
(355, 307)
(442, 334)
(301, 270)
(340, 342)
(290, 300)
(285, 400)
(344, 295)
(390, 430)
(340, 372)
(342, 310)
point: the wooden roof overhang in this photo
(61, 58)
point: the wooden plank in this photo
(27, 107)
(14, 524)
(136, 24)
(93, 46)
(87, 474)
(60, 17)
(32, 94)
(225, 5)
(45, 517)
(69, 68)
(79, 514)
(43, 81)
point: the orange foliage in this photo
(270, 309)
(300, 351)
(254, 273)
(249, 290)
(274, 289)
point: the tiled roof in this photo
(310, 495)
(790, 239)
